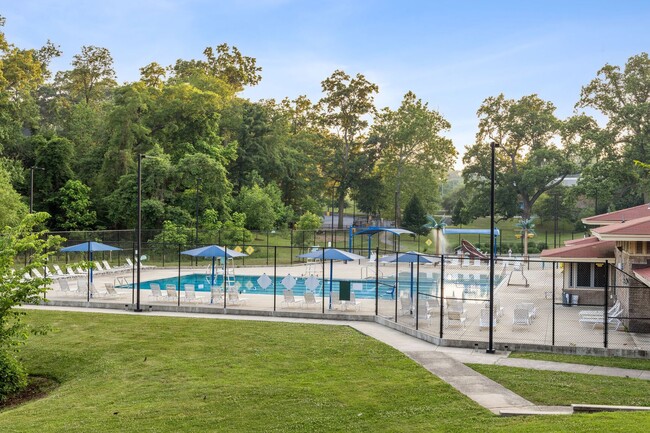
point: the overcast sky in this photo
(452, 54)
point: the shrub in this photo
(12, 376)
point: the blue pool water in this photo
(362, 288)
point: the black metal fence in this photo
(536, 304)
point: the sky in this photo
(451, 54)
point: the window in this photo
(600, 275)
(583, 277)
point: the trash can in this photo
(567, 299)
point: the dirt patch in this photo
(37, 387)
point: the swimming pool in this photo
(363, 289)
(250, 284)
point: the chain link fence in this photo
(535, 304)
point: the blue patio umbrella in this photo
(89, 247)
(331, 254)
(409, 257)
(213, 251)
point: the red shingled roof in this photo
(643, 274)
(618, 216)
(588, 249)
(634, 230)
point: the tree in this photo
(13, 209)
(623, 97)
(257, 205)
(415, 216)
(307, 222)
(227, 65)
(92, 76)
(528, 161)
(74, 207)
(410, 139)
(344, 108)
(24, 238)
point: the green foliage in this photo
(528, 161)
(13, 209)
(234, 232)
(413, 151)
(309, 221)
(415, 216)
(12, 375)
(75, 208)
(172, 234)
(24, 238)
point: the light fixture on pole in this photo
(31, 187)
(490, 348)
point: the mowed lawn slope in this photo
(125, 373)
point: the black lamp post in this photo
(31, 187)
(196, 237)
(138, 235)
(490, 348)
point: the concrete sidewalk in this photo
(445, 362)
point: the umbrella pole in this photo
(411, 303)
(90, 271)
(331, 270)
(212, 283)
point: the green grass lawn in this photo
(636, 364)
(558, 388)
(124, 373)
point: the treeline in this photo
(207, 151)
(263, 165)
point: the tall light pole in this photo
(31, 187)
(196, 237)
(490, 348)
(139, 235)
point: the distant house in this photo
(621, 238)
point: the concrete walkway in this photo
(445, 362)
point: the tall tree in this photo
(623, 97)
(344, 110)
(92, 75)
(528, 161)
(410, 138)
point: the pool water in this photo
(363, 289)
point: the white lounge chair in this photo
(65, 287)
(521, 316)
(610, 312)
(110, 290)
(37, 273)
(172, 293)
(98, 267)
(456, 316)
(352, 303)
(404, 304)
(484, 321)
(129, 263)
(216, 293)
(156, 293)
(289, 299)
(600, 320)
(70, 271)
(235, 299)
(58, 270)
(190, 293)
(310, 299)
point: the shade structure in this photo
(89, 247)
(214, 251)
(409, 257)
(331, 254)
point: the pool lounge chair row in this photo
(189, 294)
(81, 289)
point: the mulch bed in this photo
(37, 387)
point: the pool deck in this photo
(565, 331)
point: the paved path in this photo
(445, 362)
